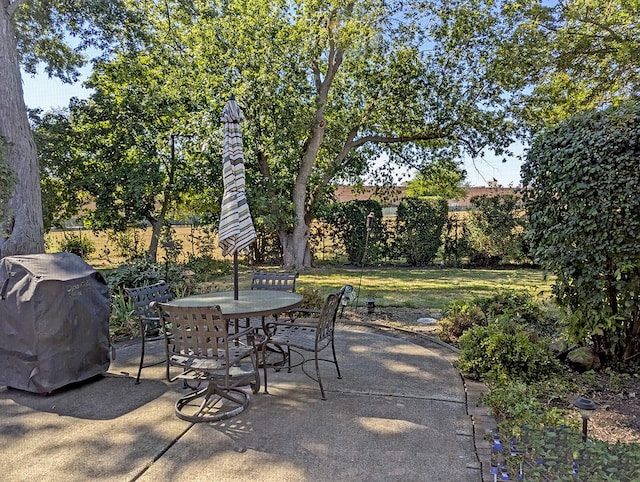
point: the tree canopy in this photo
(327, 87)
(571, 56)
(442, 178)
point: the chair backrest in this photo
(196, 332)
(328, 313)
(141, 297)
(262, 280)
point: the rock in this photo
(583, 358)
(427, 321)
(559, 348)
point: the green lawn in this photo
(427, 288)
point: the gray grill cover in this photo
(54, 321)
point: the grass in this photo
(425, 288)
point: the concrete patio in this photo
(399, 412)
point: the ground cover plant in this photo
(507, 343)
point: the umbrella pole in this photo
(235, 275)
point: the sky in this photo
(50, 93)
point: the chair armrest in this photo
(274, 325)
(241, 333)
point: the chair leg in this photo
(318, 376)
(264, 364)
(335, 360)
(142, 356)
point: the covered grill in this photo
(54, 321)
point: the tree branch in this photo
(13, 6)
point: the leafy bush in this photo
(582, 182)
(77, 244)
(551, 451)
(522, 306)
(127, 244)
(122, 321)
(505, 350)
(419, 225)
(458, 317)
(511, 302)
(350, 222)
(456, 239)
(140, 273)
(519, 403)
(207, 265)
(311, 298)
(496, 230)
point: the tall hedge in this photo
(349, 220)
(582, 193)
(496, 230)
(419, 229)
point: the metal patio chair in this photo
(149, 322)
(198, 343)
(276, 281)
(310, 335)
(264, 280)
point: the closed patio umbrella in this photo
(236, 231)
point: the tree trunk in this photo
(22, 227)
(295, 248)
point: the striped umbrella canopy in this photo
(236, 231)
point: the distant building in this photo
(390, 197)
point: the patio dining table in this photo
(250, 303)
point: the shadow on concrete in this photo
(104, 397)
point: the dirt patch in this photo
(406, 318)
(617, 416)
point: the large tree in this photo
(571, 55)
(132, 149)
(328, 87)
(34, 32)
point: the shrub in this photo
(419, 229)
(208, 265)
(122, 321)
(456, 239)
(519, 403)
(505, 350)
(522, 306)
(457, 318)
(582, 183)
(127, 244)
(140, 273)
(496, 230)
(311, 298)
(77, 244)
(350, 222)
